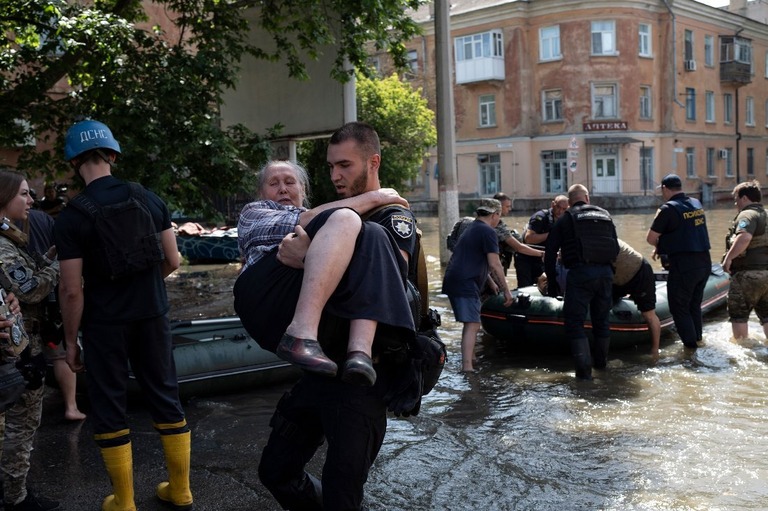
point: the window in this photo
(413, 61)
(710, 162)
(709, 102)
(728, 108)
(690, 161)
(490, 173)
(750, 111)
(487, 44)
(766, 113)
(552, 108)
(487, 110)
(751, 162)
(688, 55)
(709, 50)
(644, 40)
(735, 49)
(766, 64)
(646, 168)
(645, 102)
(690, 104)
(603, 38)
(604, 101)
(549, 43)
(554, 166)
(728, 162)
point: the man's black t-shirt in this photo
(134, 297)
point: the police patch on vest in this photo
(743, 224)
(402, 226)
(22, 277)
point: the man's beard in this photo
(358, 186)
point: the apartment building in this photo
(611, 94)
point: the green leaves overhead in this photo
(155, 72)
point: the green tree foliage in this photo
(405, 124)
(159, 85)
(406, 128)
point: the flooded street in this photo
(522, 434)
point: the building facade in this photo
(610, 94)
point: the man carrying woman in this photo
(351, 418)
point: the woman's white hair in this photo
(301, 175)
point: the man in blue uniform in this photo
(123, 318)
(679, 232)
(586, 238)
(351, 418)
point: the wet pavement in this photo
(228, 434)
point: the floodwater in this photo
(686, 433)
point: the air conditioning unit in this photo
(722, 154)
(690, 65)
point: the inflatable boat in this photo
(216, 247)
(535, 322)
(217, 356)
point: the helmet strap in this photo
(104, 157)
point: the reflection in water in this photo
(688, 433)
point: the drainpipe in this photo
(674, 54)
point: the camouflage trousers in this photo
(749, 290)
(17, 434)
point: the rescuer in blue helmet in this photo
(112, 290)
(86, 136)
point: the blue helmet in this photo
(85, 136)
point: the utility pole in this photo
(448, 192)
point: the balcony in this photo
(480, 69)
(735, 72)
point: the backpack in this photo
(128, 239)
(458, 229)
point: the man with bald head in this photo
(586, 238)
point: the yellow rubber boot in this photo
(119, 463)
(176, 490)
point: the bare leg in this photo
(326, 261)
(361, 333)
(741, 330)
(468, 339)
(654, 325)
(67, 381)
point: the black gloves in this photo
(32, 368)
(404, 395)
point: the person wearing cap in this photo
(585, 237)
(679, 233)
(123, 319)
(746, 260)
(527, 268)
(509, 240)
(475, 260)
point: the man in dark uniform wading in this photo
(351, 418)
(679, 231)
(586, 237)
